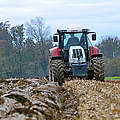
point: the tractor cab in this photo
(66, 39)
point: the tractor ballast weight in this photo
(73, 55)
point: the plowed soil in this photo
(35, 99)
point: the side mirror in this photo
(55, 38)
(94, 37)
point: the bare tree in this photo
(37, 30)
(110, 46)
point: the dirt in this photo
(97, 100)
(36, 99)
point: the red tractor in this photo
(74, 56)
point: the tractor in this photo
(73, 55)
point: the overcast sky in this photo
(102, 16)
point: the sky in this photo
(102, 16)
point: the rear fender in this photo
(54, 52)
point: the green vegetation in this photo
(112, 78)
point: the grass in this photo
(112, 78)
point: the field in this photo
(36, 99)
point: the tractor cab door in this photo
(71, 39)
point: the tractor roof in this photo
(74, 31)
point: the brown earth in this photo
(35, 99)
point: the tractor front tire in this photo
(98, 66)
(57, 71)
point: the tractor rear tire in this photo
(57, 71)
(98, 66)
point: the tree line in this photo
(24, 50)
(110, 47)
